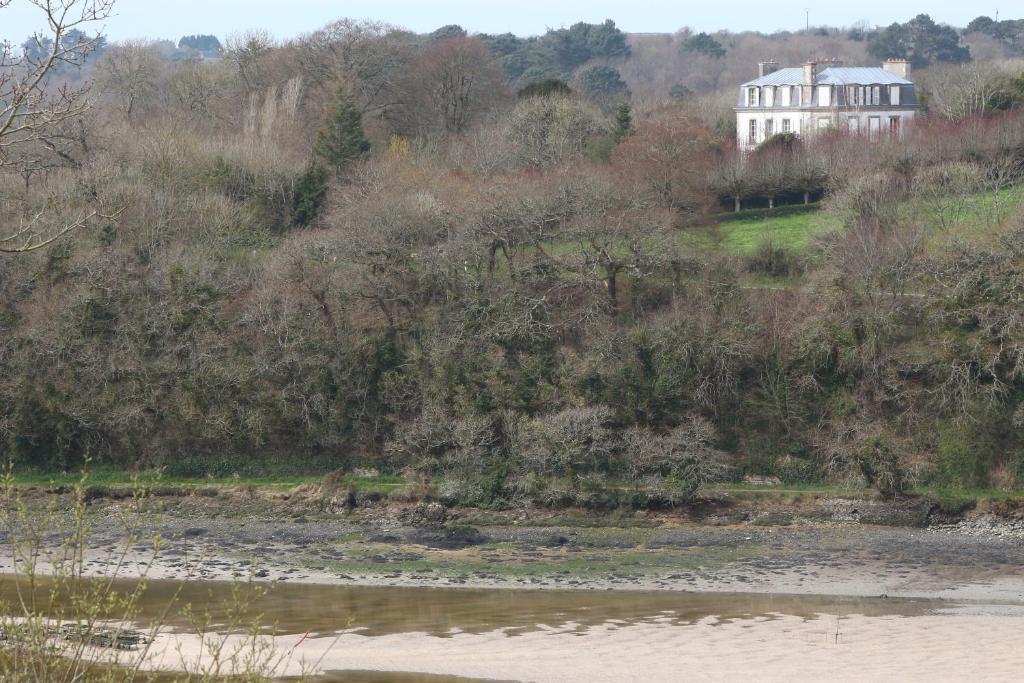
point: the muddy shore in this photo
(803, 546)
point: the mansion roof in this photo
(834, 75)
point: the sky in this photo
(289, 18)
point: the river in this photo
(442, 635)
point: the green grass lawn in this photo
(794, 227)
(791, 227)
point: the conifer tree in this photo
(623, 122)
(341, 139)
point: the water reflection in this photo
(374, 611)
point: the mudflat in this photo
(818, 547)
(417, 594)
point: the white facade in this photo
(870, 101)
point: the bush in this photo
(881, 468)
(773, 260)
(794, 471)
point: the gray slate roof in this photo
(833, 75)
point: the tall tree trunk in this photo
(736, 203)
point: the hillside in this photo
(298, 258)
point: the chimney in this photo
(810, 73)
(765, 68)
(898, 67)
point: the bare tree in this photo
(455, 81)
(964, 90)
(246, 51)
(369, 57)
(613, 233)
(947, 190)
(34, 108)
(668, 159)
(731, 177)
(129, 71)
(544, 131)
(200, 89)
(1000, 174)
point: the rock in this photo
(427, 516)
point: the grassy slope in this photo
(789, 227)
(794, 227)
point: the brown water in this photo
(373, 611)
(287, 609)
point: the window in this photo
(769, 97)
(894, 126)
(853, 125)
(752, 100)
(894, 95)
(876, 95)
(874, 127)
(785, 126)
(752, 138)
(769, 128)
(824, 123)
(824, 95)
(787, 96)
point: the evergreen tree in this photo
(310, 191)
(623, 122)
(920, 40)
(680, 93)
(206, 45)
(602, 82)
(704, 44)
(341, 139)
(449, 31)
(547, 88)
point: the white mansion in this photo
(872, 101)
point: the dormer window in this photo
(752, 97)
(787, 96)
(894, 95)
(824, 95)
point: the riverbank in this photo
(796, 545)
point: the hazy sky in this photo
(288, 18)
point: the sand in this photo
(958, 646)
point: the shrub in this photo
(961, 462)
(794, 471)
(881, 468)
(773, 259)
(570, 442)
